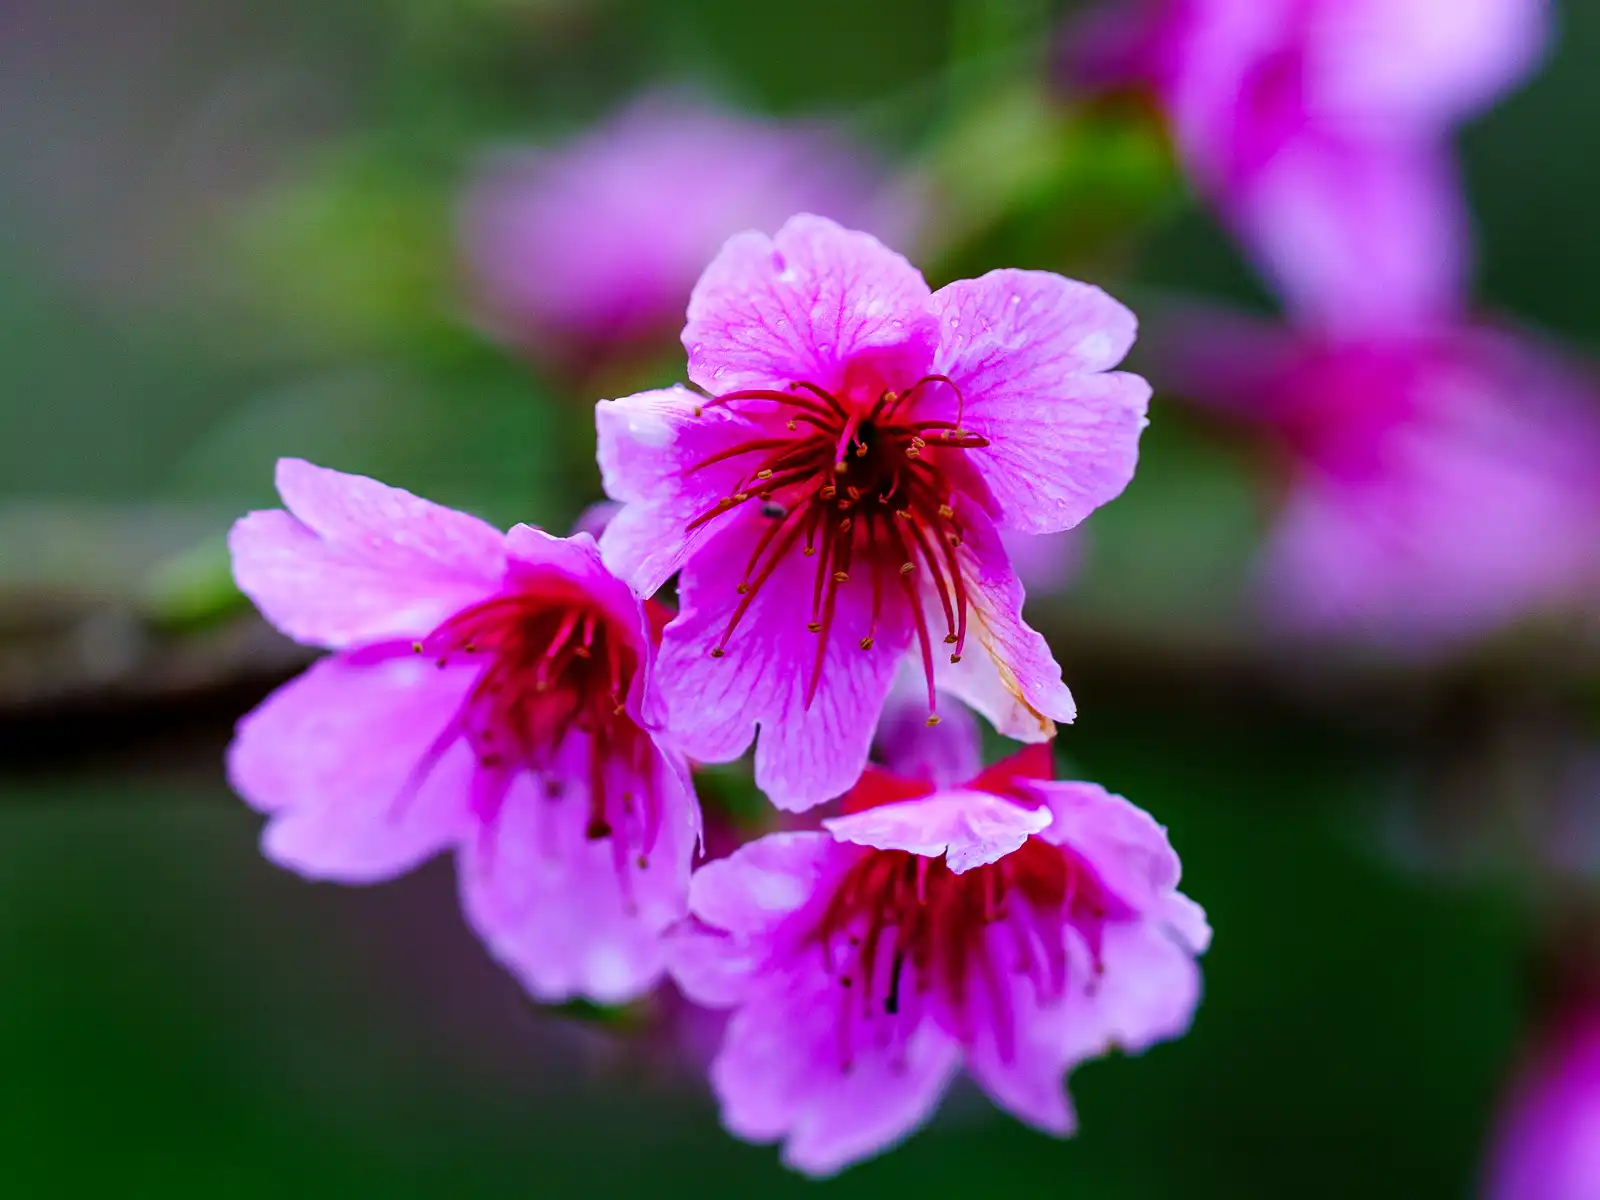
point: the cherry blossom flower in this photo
(1011, 925)
(1320, 129)
(487, 693)
(596, 244)
(837, 497)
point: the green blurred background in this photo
(225, 235)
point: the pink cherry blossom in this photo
(1320, 129)
(488, 693)
(837, 498)
(599, 242)
(1013, 925)
(1440, 484)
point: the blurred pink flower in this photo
(491, 694)
(1440, 484)
(1320, 129)
(598, 243)
(1011, 925)
(837, 500)
(1548, 1144)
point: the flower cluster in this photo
(831, 496)
(1444, 474)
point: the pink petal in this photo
(549, 902)
(1420, 65)
(736, 904)
(649, 445)
(1007, 672)
(1027, 1077)
(356, 561)
(945, 754)
(1128, 850)
(1148, 994)
(1028, 350)
(968, 828)
(1359, 238)
(801, 306)
(335, 757)
(806, 754)
(779, 1076)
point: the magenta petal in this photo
(551, 904)
(337, 758)
(1007, 671)
(969, 828)
(1029, 351)
(801, 305)
(1028, 1078)
(354, 560)
(649, 445)
(806, 754)
(779, 1076)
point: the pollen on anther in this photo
(839, 468)
(866, 643)
(841, 576)
(828, 493)
(814, 626)
(955, 658)
(907, 568)
(946, 511)
(764, 474)
(809, 551)
(792, 426)
(744, 590)
(740, 497)
(416, 647)
(912, 452)
(844, 525)
(933, 719)
(717, 652)
(949, 639)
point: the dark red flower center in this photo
(552, 665)
(902, 930)
(860, 486)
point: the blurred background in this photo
(1339, 635)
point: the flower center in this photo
(861, 488)
(902, 930)
(552, 665)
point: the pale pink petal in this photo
(649, 446)
(552, 905)
(339, 758)
(1128, 850)
(354, 560)
(1007, 672)
(801, 306)
(779, 1075)
(736, 905)
(969, 828)
(1029, 351)
(1419, 65)
(1148, 994)
(945, 754)
(1359, 238)
(805, 754)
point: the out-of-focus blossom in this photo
(1320, 130)
(598, 243)
(1548, 1145)
(838, 498)
(1013, 925)
(943, 755)
(1441, 484)
(489, 693)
